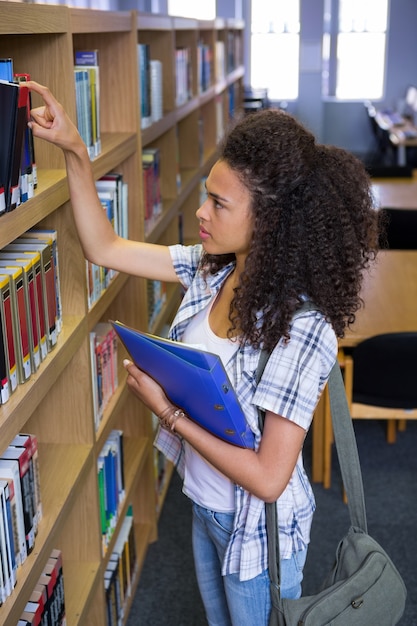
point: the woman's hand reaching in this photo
(51, 122)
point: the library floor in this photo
(167, 594)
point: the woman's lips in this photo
(203, 233)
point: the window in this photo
(184, 8)
(275, 47)
(354, 48)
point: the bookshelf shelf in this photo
(56, 403)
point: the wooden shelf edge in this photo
(23, 19)
(97, 311)
(52, 192)
(116, 148)
(99, 21)
(169, 470)
(28, 395)
(80, 584)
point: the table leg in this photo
(318, 441)
(401, 155)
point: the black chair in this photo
(400, 229)
(255, 99)
(380, 378)
(380, 152)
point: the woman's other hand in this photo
(146, 388)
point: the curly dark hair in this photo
(316, 226)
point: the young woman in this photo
(285, 220)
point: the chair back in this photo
(385, 371)
(400, 229)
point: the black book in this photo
(9, 96)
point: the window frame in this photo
(330, 58)
(284, 32)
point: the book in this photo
(21, 455)
(110, 474)
(53, 571)
(89, 61)
(29, 284)
(9, 96)
(30, 443)
(38, 596)
(113, 182)
(48, 279)
(120, 554)
(4, 366)
(9, 470)
(33, 613)
(6, 539)
(6, 69)
(19, 322)
(112, 575)
(151, 158)
(8, 335)
(193, 379)
(50, 236)
(143, 52)
(13, 199)
(157, 111)
(103, 355)
(29, 171)
(39, 312)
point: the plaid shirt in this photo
(292, 382)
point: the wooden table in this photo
(399, 193)
(389, 292)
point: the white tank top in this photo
(203, 483)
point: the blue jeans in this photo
(227, 600)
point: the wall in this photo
(340, 123)
(345, 123)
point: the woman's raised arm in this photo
(100, 243)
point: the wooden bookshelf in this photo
(56, 404)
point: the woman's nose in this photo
(201, 212)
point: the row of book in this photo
(30, 306)
(113, 194)
(204, 66)
(183, 76)
(151, 173)
(156, 300)
(20, 507)
(110, 473)
(121, 571)
(103, 353)
(234, 50)
(220, 60)
(18, 172)
(46, 605)
(87, 94)
(150, 86)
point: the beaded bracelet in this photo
(169, 417)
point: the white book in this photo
(4, 550)
(156, 90)
(8, 531)
(9, 470)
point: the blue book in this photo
(194, 380)
(6, 69)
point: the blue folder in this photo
(193, 379)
